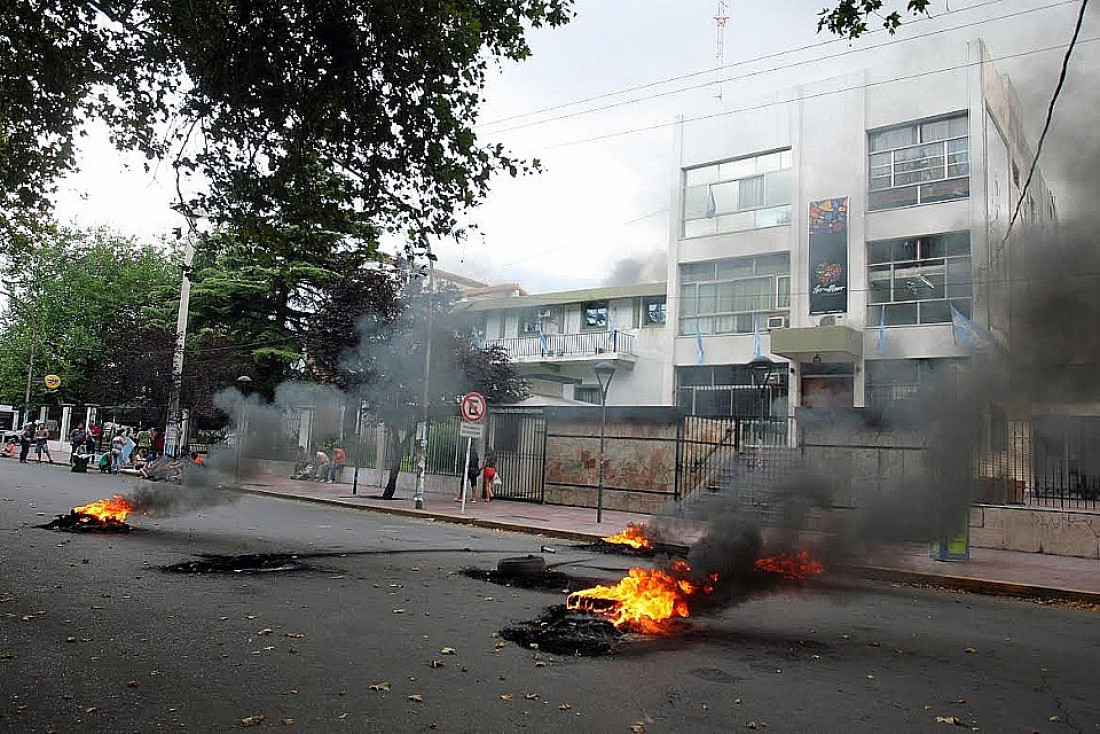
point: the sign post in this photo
(473, 408)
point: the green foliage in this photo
(848, 19)
(322, 122)
(69, 286)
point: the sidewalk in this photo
(988, 571)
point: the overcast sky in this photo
(595, 104)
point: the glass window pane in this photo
(695, 202)
(786, 160)
(881, 182)
(901, 314)
(895, 138)
(935, 312)
(906, 249)
(879, 287)
(737, 169)
(700, 227)
(732, 269)
(959, 126)
(595, 314)
(700, 176)
(892, 198)
(958, 279)
(956, 170)
(777, 188)
(768, 163)
(725, 197)
(736, 222)
(725, 298)
(958, 188)
(962, 305)
(783, 290)
(956, 243)
(777, 216)
(708, 298)
(877, 160)
(750, 193)
(880, 252)
(724, 324)
(687, 327)
(931, 247)
(935, 130)
(959, 145)
(778, 263)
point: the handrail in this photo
(569, 345)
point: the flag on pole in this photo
(881, 329)
(755, 335)
(966, 332)
(712, 207)
(700, 355)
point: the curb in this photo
(989, 587)
(436, 516)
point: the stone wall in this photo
(1036, 530)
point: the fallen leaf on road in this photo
(951, 720)
(132, 684)
(637, 728)
(416, 698)
(530, 696)
(287, 721)
(541, 663)
(265, 631)
(737, 701)
(1056, 719)
(384, 686)
(90, 709)
(436, 664)
(971, 651)
(295, 635)
(253, 720)
(398, 611)
(565, 706)
(447, 651)
(499, 644)
(506, 697)
(870, 676)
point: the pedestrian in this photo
(488, 474)
(339, 461)
(77, 437)
(116, 451)
(145, 439)
(300, 461)
(320, 466)
(26, 438)
(473, 471)
(42, 442)
(158, 442)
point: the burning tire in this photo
(528, 565)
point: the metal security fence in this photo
(517, 436)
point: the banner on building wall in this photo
(829, 256)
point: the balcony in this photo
(571, 348)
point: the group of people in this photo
(36, 434)
(320, 467)
(487, 472)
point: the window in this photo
(727, 390)
(917, 280)
(747, 193)
(892, 383)
(733, 296)
(921, 163)
(587, 395)
(529, 322)
(654, 310)
(594, 315)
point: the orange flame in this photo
(794, 567)
(644, 601)
(115, 509)
(634, 536)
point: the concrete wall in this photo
(1036, 530)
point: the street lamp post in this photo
(244, 382)
(422, 428)
(174, 425)
(604, 372)
(761, 368)
(30, 361)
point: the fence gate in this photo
(518, 436)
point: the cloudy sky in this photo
(595, 105)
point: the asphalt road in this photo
(96, 637)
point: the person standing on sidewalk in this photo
(339, 461)
(42, 443)
(488, 474)
(26, 438)
(473, 471)
(77, 437)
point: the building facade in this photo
(840, 229)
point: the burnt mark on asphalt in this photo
(553, 581)
(561, 631)
(249, 563)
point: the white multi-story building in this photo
(557, 339)
(836, 227)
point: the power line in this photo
(1050, 115)
(778, 54)
(755, 73)
(817, 95)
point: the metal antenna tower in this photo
(720, 19)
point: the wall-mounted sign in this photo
(829, 256)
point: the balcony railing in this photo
(551, 346)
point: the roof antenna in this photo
(720, 19)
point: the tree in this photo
(369, 337)
(79, 285)
(848, 19)
(327, 122)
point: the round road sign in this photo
(473, 407)
(52, 382)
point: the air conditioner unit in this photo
(777, 322)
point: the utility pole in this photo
(30, 362)
(173, 425)
(422, 427)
